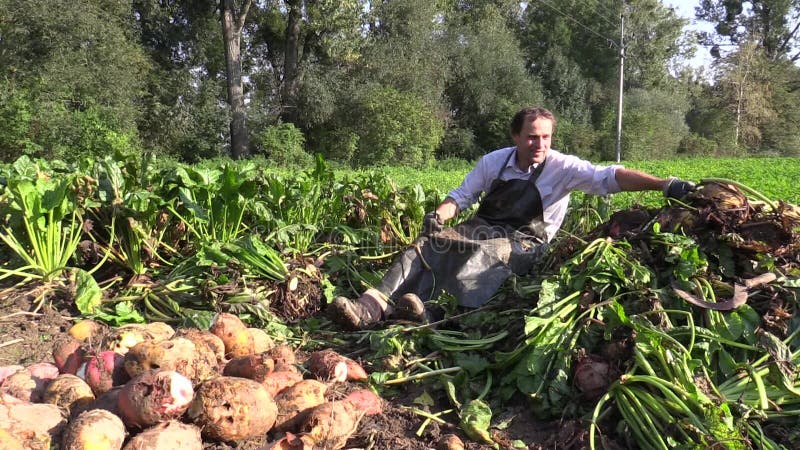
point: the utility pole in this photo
(621, 80)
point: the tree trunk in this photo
(291, 60)
(232, 24)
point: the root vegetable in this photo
(261, 340)
(108, 401)
(449, 442)
(234, 334)
(232, 408)
(167, 435)
(254, 367)
(21, 385)
(105, 370)
(7, 371)
(94, 430)
(282, 354)
(295, 402)
(85, 330)
(177, 354)
(29, 383)
(123, 338)
(354, 370)
(327, 365)
(331, 424)
(68, 392)
(160, 331)
(26, 425)
(365, 400)
(292, 442)
(67, 354)
(210, 351)
(10, 442)
(279, 380)
(153, 397)
(43, 370)
(593, 375)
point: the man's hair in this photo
(534, 113)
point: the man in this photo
(526, 197)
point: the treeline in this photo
(390, 82)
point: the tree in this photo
(292, 38)
(182, 112)
(489, 81)
(744, 84)
(774, 25)
(77, 68)
(232, 24)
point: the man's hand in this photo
(431, 224)
(677, 188)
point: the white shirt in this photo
(561, 175)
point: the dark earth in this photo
(27, 333)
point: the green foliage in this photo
(284, 145)
(459, 143)
(16, 117)
(81, 68)
(393, 127)
(43, 221)
(693, 145)
(654, 124)
(490, 82)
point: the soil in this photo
(27, 334)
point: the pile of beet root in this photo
(150, 387)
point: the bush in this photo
(459, 143)
(577, 139)
(697, 146)
(394, 128)
(284, 145)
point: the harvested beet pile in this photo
(149, 387)
(670, 327)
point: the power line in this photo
(603, 16)
(580, 24)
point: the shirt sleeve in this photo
(474, 184)
(593, 179)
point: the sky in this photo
(685, 9)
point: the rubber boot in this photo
(410, 307)
(364, 312)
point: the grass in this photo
(774, 177)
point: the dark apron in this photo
(471, 260)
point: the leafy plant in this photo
(44, 224)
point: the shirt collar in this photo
(512, 163)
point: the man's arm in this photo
(634, 180)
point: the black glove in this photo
(677, 188)
(431, 224)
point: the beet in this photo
(154, 396)
(232, 408)
(592, 376)
(104, 371)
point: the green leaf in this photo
(124, 312)
(472, 363)
(424, 399)
(476, 416)
(88, 295)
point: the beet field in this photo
(148, 305)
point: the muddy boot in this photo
(410, 307)
(364, 312)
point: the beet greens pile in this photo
(662, 327)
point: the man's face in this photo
(533, 141)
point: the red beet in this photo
(153, 397)
(105, 370)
